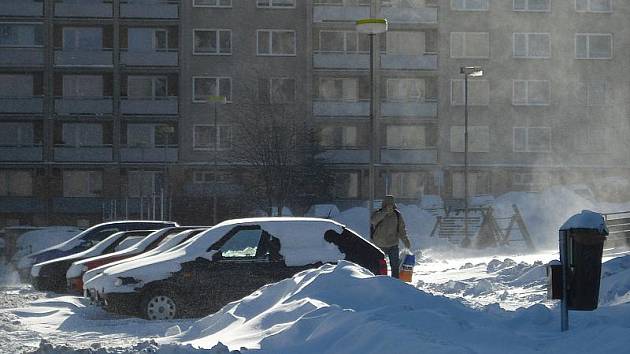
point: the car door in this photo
(239, 266)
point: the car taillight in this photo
(382, 267)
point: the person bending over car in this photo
(387, 228)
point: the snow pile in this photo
(586, 220)
(37, 240)
(312, 313)
(614, 287)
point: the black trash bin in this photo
(585, 248)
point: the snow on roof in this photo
(586, 220)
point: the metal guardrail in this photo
(618, 224)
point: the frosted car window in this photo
(244, 243)
(128, 242)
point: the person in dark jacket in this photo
(387, 229)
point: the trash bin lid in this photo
(586, 220)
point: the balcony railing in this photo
(22, 56)
(28, 8)
(83, 8)
(21, 104)
(168, 57)
(332, 13)
(87, 105)
(101, 153)
(149, 154)
(77, 205)
(409, 109)
(422, 15)
(20, 153)
(339, 108)
(409, 156)
(346, 156)
(160, 9)
(12, 204)
(153, 105)
(83, 57)
(415, 62)
(329, 60)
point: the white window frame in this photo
(355, 80)
(217, 37)
(527, 147)
(270, 88)
(199, 177)
(356, 193)
(345, 42)
(528, 103)
(92, 192)
(453, 8)
(586, 85)
(77, 29)
(453, 81)
(24, 46)
(340, 129)
(399, 81)
(270, 33)
(153, 96)
(218, 80)
(590, 8)
(528, 9)
(194, 4)
(155, 32)
(476, 135)
(588, 45)
(464, 56)
(527, 43)
(276, 7)
(217, 137)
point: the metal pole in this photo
(153, 206)
(214, 186)
(162, 204)
(466, 157)
(564, 259)
(371, 172)
(141, 208)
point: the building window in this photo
(347, 185)
(531, 45)
(593, 5)
(532, 5)
(277, 4)
(354, 2)
(532, 139)
(204, 87)
(82, 134)
(205, 177)
(16, 183)
(591, 140)
(405, 43)
(347, 42)
(478, 184)
(469, 5)
(16, 85)
(339, 89)
(478, 92)
(206, 136)
(407, 184)
(150, 135)
(531, 181)
(144, 183)
(83, 38)
(89, 86)
(147, 87)
(147, 39)
(212, 42)
(339, 137)
(21, 35)
(478, 138)
(77, 183)
(406, 90)
(531, 93)
(16, 134)
(276, 90)
(212, 3)
(275, 42)
(593, 46)
(406, 137)
(473, 45)
(592, 93)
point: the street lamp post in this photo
(468, 71)
(215, 100)
(372, 27)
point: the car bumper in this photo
(75, 285)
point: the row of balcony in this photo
(87, 105)
(94, 8)
(35, 57)
(331, 13)
(362, 61)
(387, 156)
(362, 109)
(92, 154)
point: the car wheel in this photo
(159, 306)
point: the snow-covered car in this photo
(51, 275)
(228, 262)
(170, 242)
(85, 240)
(74, 275)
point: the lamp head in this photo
(371, 25)
(471, 71)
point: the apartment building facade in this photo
(108, 108)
